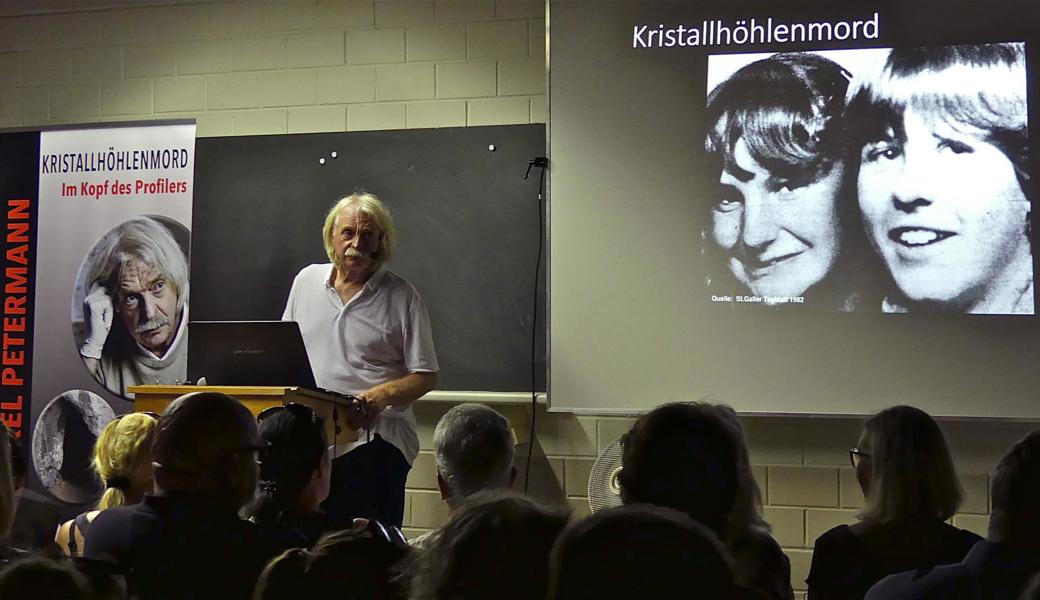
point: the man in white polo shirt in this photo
(368, 334)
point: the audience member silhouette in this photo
(123, 462)
(640, 551)
(906, 474)
(692, 457)
(473, 446)
(682, 456)
(295, 470)
(495, 546)
(999, 567)
(186, 540)
(42, 578)
(354, 564)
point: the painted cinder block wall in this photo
(245, 68)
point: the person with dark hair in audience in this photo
(295, 471)
(1001, 566)
(640, 551)
(473, 446)
(42, 578)
(494, 547)
(692, 457)
(905, 471)
(186, 540)
(7, 499)
(354, 564)
(1032, 589)
(123, 462)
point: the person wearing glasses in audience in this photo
(355, 564)
(1001, 567)
(368, 334)
(185, 539)
(910, 489)
(123, 462)
(942, 141)
(294, 480)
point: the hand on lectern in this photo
(375, 401)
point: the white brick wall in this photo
(271, 66)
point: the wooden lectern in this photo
(155, 398)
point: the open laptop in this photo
(250, 353)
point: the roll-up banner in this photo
(95, 297)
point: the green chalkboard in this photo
(468, 225)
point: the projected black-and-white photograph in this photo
(883, 180)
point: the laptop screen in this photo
(248, 353)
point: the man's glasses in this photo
(855, 456)
(389, 534)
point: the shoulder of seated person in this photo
(101, 518)
(918, 583)
(890, 586)
(835, 535)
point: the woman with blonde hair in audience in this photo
(123, 462)
(905, 471)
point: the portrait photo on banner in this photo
(130, 304)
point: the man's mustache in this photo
(155, 323)
(355, 253)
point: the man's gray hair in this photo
(473, 446)
(149, 241)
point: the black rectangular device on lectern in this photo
(249, 353)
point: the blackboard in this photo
(468, 226)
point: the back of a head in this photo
(348, 565)
(639, 551)
(1016, 483)
(912, 473)
(48, 579)
(123, 446)
(204, 444)
(495, 546)
(473, 446)
(683, 456)
(293, 446)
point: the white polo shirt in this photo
(383, 333)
